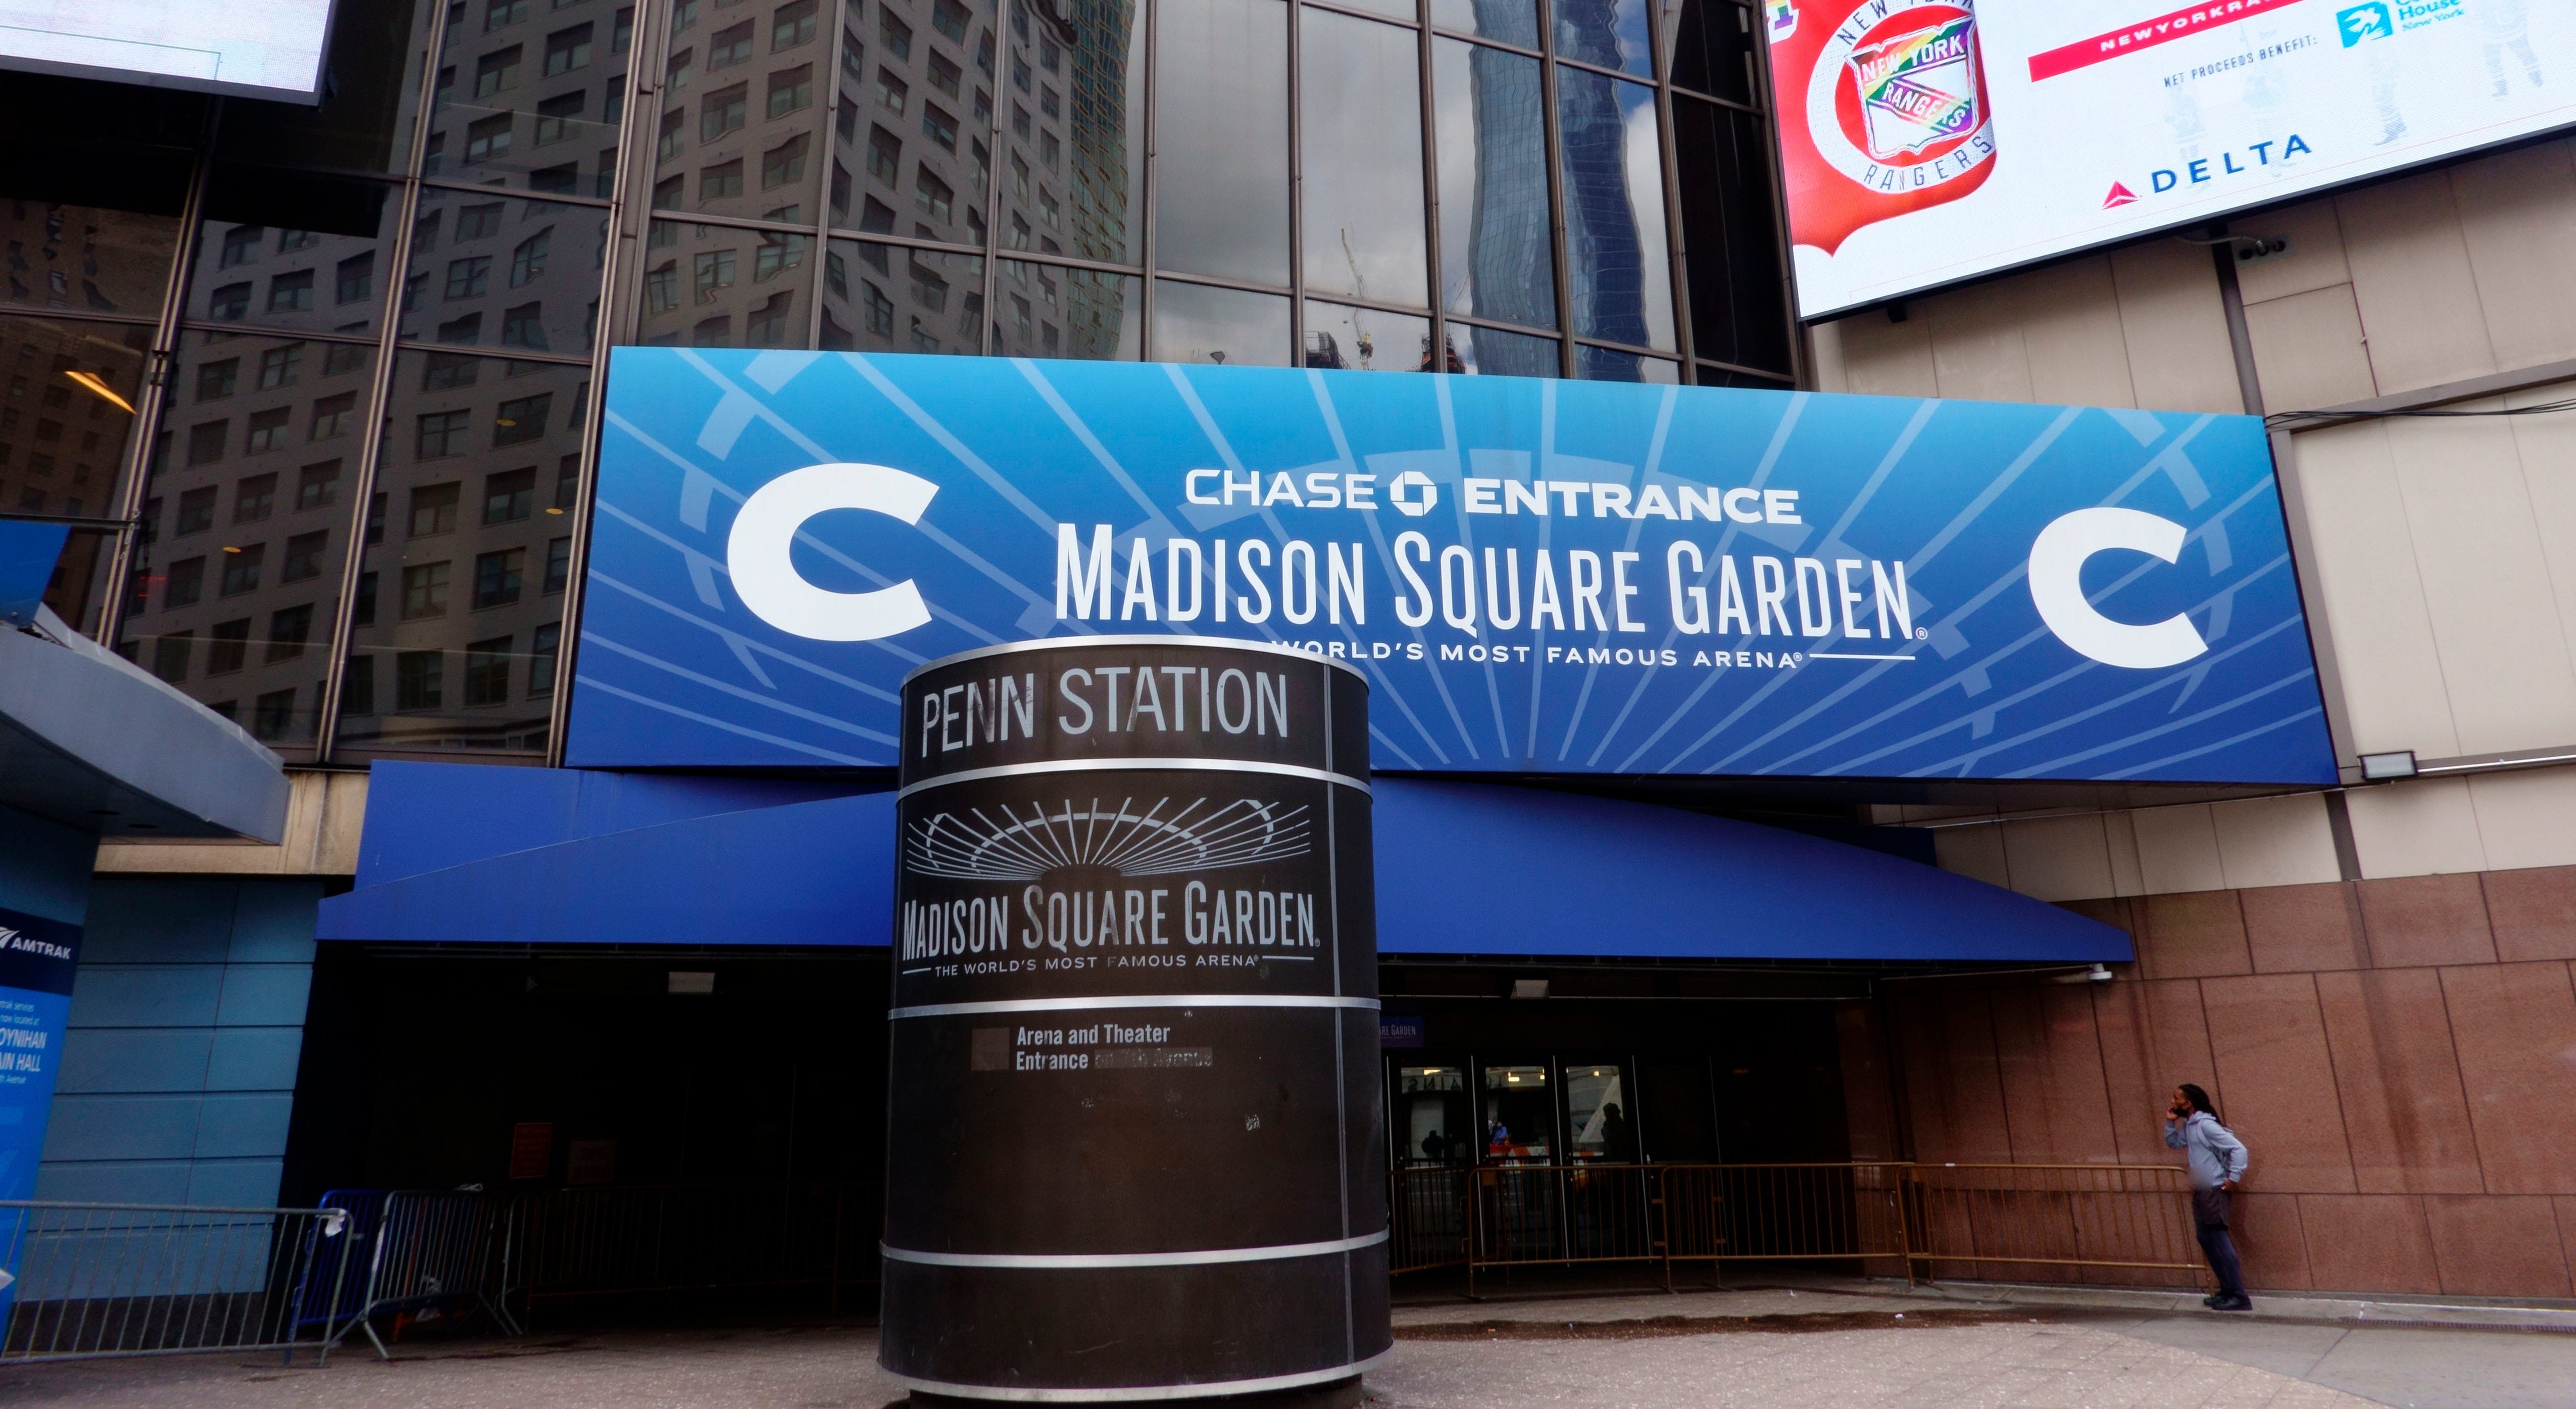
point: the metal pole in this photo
(825, 135)
(1150, 12)
(158, 365)
(1436, 356)
(994, 134)
(1676, 252)
(1552, 141)
(614, 302)
(326, 726)
(1296, 184)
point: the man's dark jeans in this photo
(2209, 1214)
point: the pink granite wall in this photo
(2400, 1055)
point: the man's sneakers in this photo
(2230, 1303)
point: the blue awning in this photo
(466, 854)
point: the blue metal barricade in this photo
(413, 1251)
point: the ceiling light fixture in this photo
(91, 383)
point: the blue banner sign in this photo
(37, 957)
(1536, 576)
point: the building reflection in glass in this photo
(386, 341)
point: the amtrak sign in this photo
(1537, 577)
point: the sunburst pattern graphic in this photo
(1006, 844)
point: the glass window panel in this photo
(1714, 49)
(455, 662)
(1739, 301)
(255, 524)
(1366, 340)
(364, 119)
(500, 271)
(1196, 323)
(1073, 180)
(529, 99)
(742, 128)
(887, 298)
(721, 286)
(1606, 364)
(909, 128)
(83, 258)
(1511, 21)
(1221, 114)
(1363, 162)
(1596, 1114)
(1490, 351)
(1045, 310)
(293, 251)
(1611, 33)
(1520, 1115)
(1494, 353)
(1617, 274)
(105, 146)
(65, 423)
(1495, 259)
(1432, 1119)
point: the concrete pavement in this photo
(1781, 1347)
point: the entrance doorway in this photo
(1543, 1133)
(652, 1132)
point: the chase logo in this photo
(2365, 21)
(764, 532)
(2057, 588)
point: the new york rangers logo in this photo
(1916, 89)
(1895, 116)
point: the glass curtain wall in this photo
(347, 511)
(1485, 186)
(352, 525)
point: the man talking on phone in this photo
(2217, 1167)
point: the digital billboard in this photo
(1536, 576)
(1928, 141)
(251, 48)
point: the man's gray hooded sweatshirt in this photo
(2217, 1157)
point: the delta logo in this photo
(2247, 160)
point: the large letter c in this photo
(2057, 588)
(756, 552)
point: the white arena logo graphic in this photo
(1412, 493)
(757, 552)
(1164, 839)
(2057, 561)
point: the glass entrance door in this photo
(1435, 1124)
(1599, 1127)
(1520, 1115)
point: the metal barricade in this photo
(1786, 1213)
(1426, 1217)
(578, 1244)
(2025, 1222)
(420, 1251)
(93, 1280)
(2047, 1222)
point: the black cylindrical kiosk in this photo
(1134, 1140)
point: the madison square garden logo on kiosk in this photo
(1894, 118)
